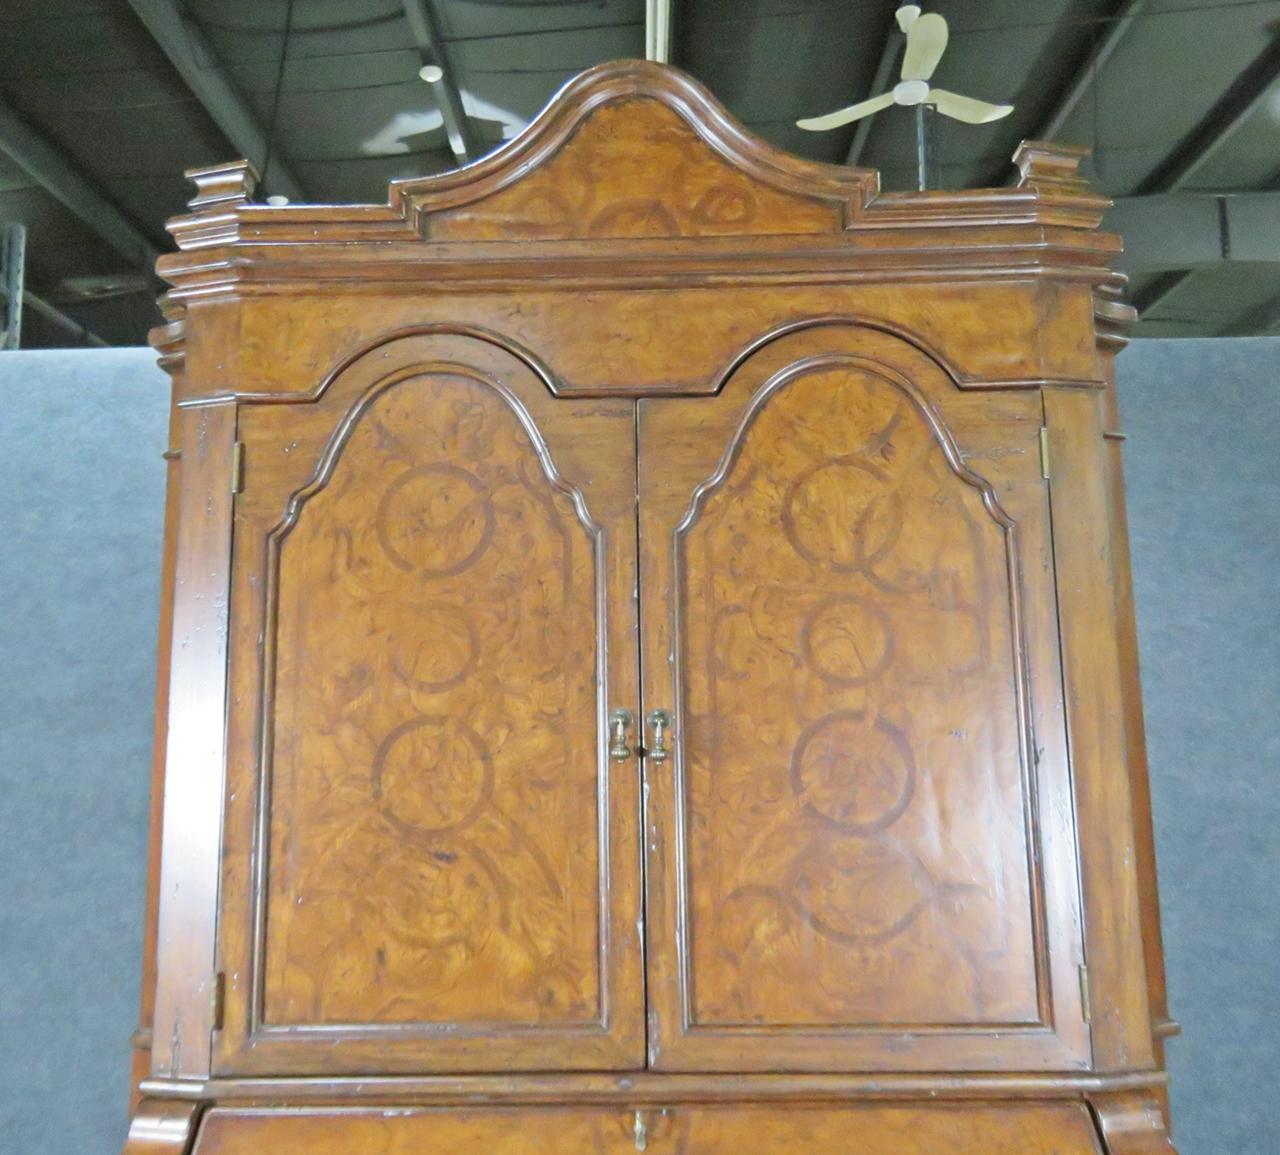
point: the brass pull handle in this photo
(660, 725)
(619, 723)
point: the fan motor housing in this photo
(911, 92)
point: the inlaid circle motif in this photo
(853, 775)
(435, 520)
(434, 647)
(842, 515)
(857, 889)
(847, 640)
(432, 775)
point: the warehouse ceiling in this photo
(103, 104)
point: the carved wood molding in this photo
(649, 1087)
(162, 1127)
(1112, 318)
(629, 80)
(1133, 1123)
(630, 152)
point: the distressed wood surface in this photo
(1040, 1129)
(853, 793)
(195, 749)
(1133, 1123)
(1096, 704)
(639, 390)
(439, 558)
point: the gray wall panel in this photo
(81, 494)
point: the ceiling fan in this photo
(926, 42)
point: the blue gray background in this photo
(81, 493)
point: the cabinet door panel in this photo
(438, 558)
(847, 860)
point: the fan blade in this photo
(926, 41)
(966, 108)
(907, 15)
(844, 115)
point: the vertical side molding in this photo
(195, 755)
(164, 646)
(1095, 706)
(1135, 724)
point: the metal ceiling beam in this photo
(657, 31)
(1184, 231)
(1120, 22)
(1233, 108)
(1256, 322)
(1164, 286)
(438, 72)
(56, 316)
(893, 43)
(182, 41)
(49, 168)
(15, 298)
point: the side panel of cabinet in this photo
(195, 747)
(431, 864)
(862, 851)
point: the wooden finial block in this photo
(1049, 167)
(222, 186)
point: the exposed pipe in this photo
(48, 168)
(657, 31)
(56, 316)
(187, 47)
(437, 72)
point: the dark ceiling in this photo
(103, 104)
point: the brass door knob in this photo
(660, 728)
(619, 744)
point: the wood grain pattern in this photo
(1135, 729)
(195, 754)
(1039, 1129)
(636, 170)
(1095, 702)
(680, 339)
(849, 623)
(433, 742)
(434, 795)
(660, 1088)
(637, 385)
(854, 793)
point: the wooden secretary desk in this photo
(649, 663)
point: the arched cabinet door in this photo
(861, 850)
(431, 863)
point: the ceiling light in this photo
(431, 73)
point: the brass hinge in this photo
(218, 999)
(1044, 452)
(237, 467)
(1084, 994)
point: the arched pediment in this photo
(632, 149)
